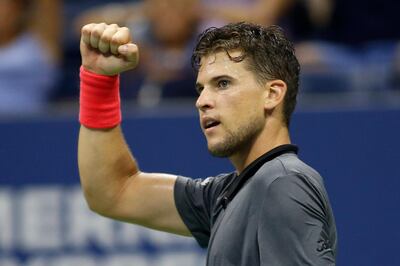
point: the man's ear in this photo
(275, 93)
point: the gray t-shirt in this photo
(280, 216)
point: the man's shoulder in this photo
(287, 166)
(286, 178)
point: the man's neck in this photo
(266, 141)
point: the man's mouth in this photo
(210, 123)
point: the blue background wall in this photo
(357, 153)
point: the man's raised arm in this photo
(112, 182)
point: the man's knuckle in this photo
(125, 30)
(116, 40)
(98, 29)
(106, 38)
(86, 28)
(96, 33)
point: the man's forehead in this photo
(221, 63)
(220, 57)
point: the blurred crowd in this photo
(30, 53)
(343, 46)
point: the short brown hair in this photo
(270, 55)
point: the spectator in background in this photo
(346, 45)
(168, 43)
(341, 44)
(29, 54)
(265, 12)
(166, 31)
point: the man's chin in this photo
(220, 151)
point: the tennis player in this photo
(273, 210)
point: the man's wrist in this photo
(100, 105)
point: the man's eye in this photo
(199, 90)
(223, 84)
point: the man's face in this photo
(230, 104)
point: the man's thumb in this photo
(130, 52)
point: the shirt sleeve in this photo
(194, 200)
(294, 224)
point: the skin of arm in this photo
(111, 180)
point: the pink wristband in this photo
(100, 104)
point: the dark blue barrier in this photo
(356, 152)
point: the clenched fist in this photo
(107, 49)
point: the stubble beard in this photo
(237, 140)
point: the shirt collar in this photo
(239, 181)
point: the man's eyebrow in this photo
(221, 77)
(214, 79)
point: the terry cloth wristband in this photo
(100, 104)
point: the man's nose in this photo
(205, 100)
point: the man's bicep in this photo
(292, 225)
(147, 199)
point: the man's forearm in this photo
(111, 181)
(105, 165)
